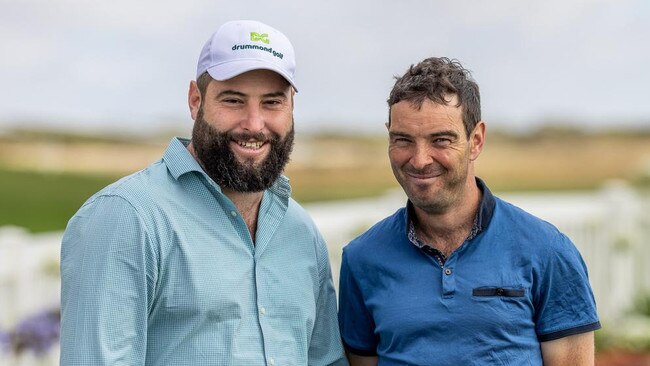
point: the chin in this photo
(431, 207)
(251, 161)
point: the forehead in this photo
(252, 82)
(431, 116)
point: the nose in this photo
(253, 121)
(421, 157)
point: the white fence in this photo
(29, 284)
(610, 227)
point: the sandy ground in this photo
(505, 163)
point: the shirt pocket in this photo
(503, 292)
(506, 309)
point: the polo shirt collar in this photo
(483, 215)
(486, 208)
(180, 161)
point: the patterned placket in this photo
(435, 253)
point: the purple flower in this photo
(37, 333)
(5, 340)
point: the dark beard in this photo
(217, 159)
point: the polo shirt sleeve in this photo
(564, 302)
(325, 346)
(108, 277)
(355, 321)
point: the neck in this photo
(247, 203)
(448, 230)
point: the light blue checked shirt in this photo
(159, 269)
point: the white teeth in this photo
(251, 144)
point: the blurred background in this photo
(92, 91)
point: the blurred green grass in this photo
(45, 201)
(42, 202)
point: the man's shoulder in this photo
(384, 231)
(297, 215)
(135, 188)
(521, 225)
(518, 217)
(295, 208)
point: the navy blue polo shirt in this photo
(516, 283)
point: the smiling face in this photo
(431, 155)
(243, 131)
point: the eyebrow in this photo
(240, 94)
(398, 134)
(448, 133)
(275, 94)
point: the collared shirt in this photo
(515, 284)
(481, 220)
(159, 269)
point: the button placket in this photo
(448, 279)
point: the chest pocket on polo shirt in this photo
(506, 308)
(499, 292)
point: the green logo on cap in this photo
(260, 37)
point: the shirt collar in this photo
(180, 161)
(481, 220)
(486, 208)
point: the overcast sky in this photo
(125, 65)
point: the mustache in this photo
(257, 136)
(427, 170)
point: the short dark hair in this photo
(202, 83)
(435, 79)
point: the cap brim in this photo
(231, 69)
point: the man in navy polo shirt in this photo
(458, 276)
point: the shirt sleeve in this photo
(325, 347)
(564, 303)
(108, 278)
(355, 321)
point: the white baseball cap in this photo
(244, 45)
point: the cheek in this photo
(454, 161)
(221, 115)
(280, 123)
(218, 116)
(398, 156)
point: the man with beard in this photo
(203, 258)
(458, 276)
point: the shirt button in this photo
(500, 291)
(233, 213)
(271, 361)
(262, 310)
(447, 271)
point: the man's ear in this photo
(387, 124)
(194, 99)
(477, 140)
